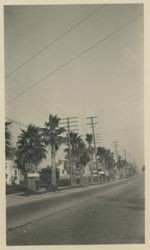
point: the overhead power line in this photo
(54, 41)
(124, 100)
(74, 58)
(16, 122)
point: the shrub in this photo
(45, 177)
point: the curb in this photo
(45, 196)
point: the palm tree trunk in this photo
(74, 181)
(90, 165)
(81, 177)
(71, 170)
(53, 165)
(71, 178)
(74, 174)
(91, 174)
(26, 180)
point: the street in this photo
(112, 214)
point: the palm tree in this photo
(79, 156)
(53, 137)
(7, 138)
(122, 166)
(30, 150)
(106, 157)
(89, 140)
(72, 155)
(84, 158)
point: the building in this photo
(12, 173)
(62, 171)
(87, 171)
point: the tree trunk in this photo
(90, 165)
(74, 174)
(91, 174)
(26, 180)
(81, 177)
(71, 179)
(53, 173)
(71, 171)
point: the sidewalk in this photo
(19, 198)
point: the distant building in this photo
(61, 167)
(87, 171)
(12, 173)
(116, 173)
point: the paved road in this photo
(106, 215)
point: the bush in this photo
(10, 189)
(63, 182)
(45, 177)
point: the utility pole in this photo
(129, 157)
(92, 126)
(70, 123)
(133, 164)
(125, 152)
(116, 152)
(126, 166)
(98, 138)
(116, 148)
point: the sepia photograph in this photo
(74, 124)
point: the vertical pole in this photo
(95, 148)
(129, 164)
(126, 166)
(69, 126)
(129, 157)
(116, 149)
(124, 154)
(69, 148)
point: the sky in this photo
(92, 67)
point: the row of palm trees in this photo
(77, 157)
(33, 144)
